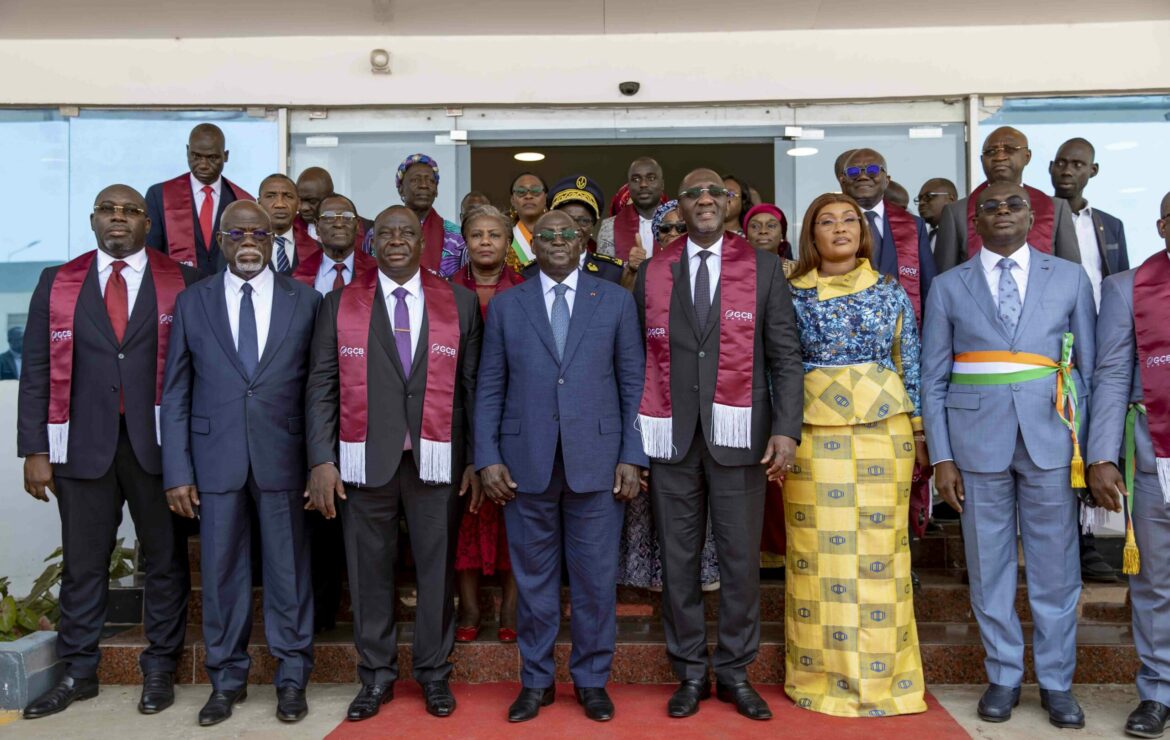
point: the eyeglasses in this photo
(920, 199)
(827, 224)
(534, 190)
(551, 235)
(679, 228)
(334, 215)
(1007, 149)
(715, 191)
(239, 235)
(871, 170)
(129, 211)
(1015, 204)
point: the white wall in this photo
(672, 67)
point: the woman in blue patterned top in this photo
(852, 644)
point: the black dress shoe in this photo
(685, 700)
(158, 692)
(1148, 720)
(747, 701)
(598, 706)
(528, 704)
(1063, 710)
(997, 702)
(61, 696)
(369, 700)
(1094, 568)
(291, 704)
(219, 706)
(440, 700)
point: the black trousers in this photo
(370, 526)
(91, 512)
(328, 568)
(680, 495)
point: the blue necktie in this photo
(246, 344)
(560, 318)
(872, 217)
(1010, 303)
(282, 264)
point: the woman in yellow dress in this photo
(851, 640)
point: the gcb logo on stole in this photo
(61, 335)
(345, 351)
(442, 349)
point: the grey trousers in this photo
(1150, 589)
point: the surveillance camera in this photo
(629, 88)
(380, 61)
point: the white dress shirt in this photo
(132, 273)
(263, 286)
(325, 274)
(713, 263)
(289, 246)
(547, 284)
(312, 229)
(880, 209)
(1090, 255)
(646, 233)
(990, 263)
(414, 304)
(197, 194)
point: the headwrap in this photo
(660, 214)
(410, 162)
(784, 248)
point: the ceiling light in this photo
(802, 151)
(1121, 146)
(528, 156)
(926, 132)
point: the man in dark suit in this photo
(314, 185)
(389, 400)
(685, 302)
(11, 360)
(1005, 155)
(560, 380)
(86, 428)
(934, 195)
(233, 426)
(185, 211)
(291, 242)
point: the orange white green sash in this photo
(1005, 368)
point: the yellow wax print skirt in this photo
(851, 639)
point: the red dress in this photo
(483, 543)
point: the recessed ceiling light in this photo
(802, 151)
(1121, 146)
(528, 156)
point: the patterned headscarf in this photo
(659, 214)
(410, 162)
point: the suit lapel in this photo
(681, 273)
(215, 306)
(972, 272)
(537, 313)
(145, 306)
(889, 255)
(1039, 274)
(584, 304)
(383, 332)
(418, 362)
(1099, 232)
(713, 317)
(94, 306)
(284, 304)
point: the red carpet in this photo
(640, 713)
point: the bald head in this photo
(121, 194)
(560, 255)
(250, 253)
(206, 153)
(839, 162)
(864, 177)
(1164, 221)
(1075, 164)
(704, 213)
(313, 186)
(1005, 155)
(1003, 217)
(644, 179)
(398, 243)
(934, 195)
(119, 221)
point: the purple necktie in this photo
(402, 329)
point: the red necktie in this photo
(338, 280)
(118, 307)
(207, 216)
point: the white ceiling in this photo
(45, 19)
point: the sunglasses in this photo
(679, 228)
(1014, 204)
(550, 235)
(715, 191)
(238, 235)
(1007, 149)
(534, 190)
(920, 199)
(871, 170)
(129, 211)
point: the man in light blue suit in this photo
(1117, 393)
(560, 380)
(994, 331)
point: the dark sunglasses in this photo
(872, 170)
(549, 235)
(534, 190)
(679, 228)
(715, 191)
(1015, 204)
(920, 199)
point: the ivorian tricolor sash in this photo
(625, 232)
(353, 339)
(1043, 223)
(179, 216)
(433, 235)
(168, 283)
(904, 230)
(731, 412)
(307, 267)
(1005, 368)
(1151, 296)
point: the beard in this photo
(250, 267)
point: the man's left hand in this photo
(778, 456)
(626, 481)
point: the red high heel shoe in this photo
(507, 634)
(466, 634)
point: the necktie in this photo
(560, 318)
(247, 346)
(117, 300)
(703, 290)
(933, 234)
(402, 329)
(207, 216)
(872, 217)
(1009, 296)
(282, 264)
(338, 279)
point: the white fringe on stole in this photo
(657, 435)
(1164, 478)
(1092, 518)
(731, 426)
(158, 425)
(353, 463)
(434, 461)
(58, 442)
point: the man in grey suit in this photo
(994, 342)
(1118, 402)
(1005, 155)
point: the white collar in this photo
(413, 286)
(216, 186)
(290, 237)
(261, 283)
(879, 208)
(136, 261)
(328, 262)
(694, 249)
(990, 260)
(547, 284)
(1086, 211)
